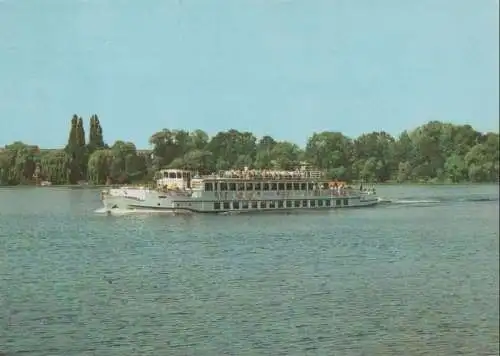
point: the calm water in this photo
(418, 276)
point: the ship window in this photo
(303, 186)
(313, 203)
(254, 205)
(328, 202)
(179, 175)
(217, 205)
(171, 175)
(244, 205)
(281, 186)
(226, 205)
(310, 186)
(346, 201)
(274, 186)
(241, 187)
(266, 186)
(280, 203)
(262, 204)
(296, 203)
(304, 203)
(232, 187)
(338, 202)
(296, 186)
(236, 204)
(209, 187)
(249, 186)
(216, 186)
(288, 203)
(257, 186)
(320, 203)
(289, 186)
(223, 186)
(272, 204)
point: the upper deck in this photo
(266, 175)
(246, 180)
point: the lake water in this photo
(418, 276)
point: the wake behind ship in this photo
(180, 191)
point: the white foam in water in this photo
(113, 211)
(383, 200)
(416, 201)
(407, 201)
(118, 212)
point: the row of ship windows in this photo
(209, 187)
(277, 204)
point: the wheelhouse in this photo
(173, 179)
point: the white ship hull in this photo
(178, 191)
(150, 200)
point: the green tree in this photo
(331, 151)
(77, 150)
(96, 139)
(125, 166)
(263, 156)
(285, 155)
(482, 161)
(197, 160)
(18, 162)
(99, 166)
(55, 166)
(435, 151)
(233, 149)
(374, 156)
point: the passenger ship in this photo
(180, 191)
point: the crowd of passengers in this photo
(269, 174)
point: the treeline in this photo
(435, 152)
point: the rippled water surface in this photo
(415, 276)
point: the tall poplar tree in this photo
(77, 150)
(96, 140)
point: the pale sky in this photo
(283, 68)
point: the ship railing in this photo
(126, 186)
(316, 174)
(267, 174)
